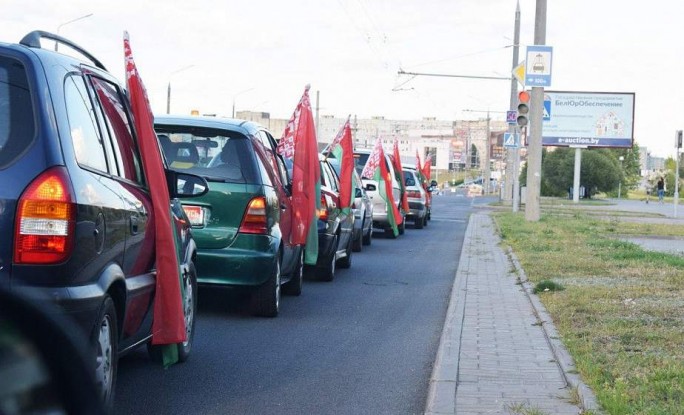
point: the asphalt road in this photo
(362, 344)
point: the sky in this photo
(258, 54)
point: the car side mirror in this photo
(186, 184)
(370, 187)
(433, 183)
(358, 192)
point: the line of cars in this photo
(76, 202)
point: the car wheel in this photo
(389, 233)
(327, 271)
(419, 222)
(402, 227)
(425, 220)
(266, 299)
(189, 311)
(358, 241)
(294, 286)
(105, 339)
(368, 237)
(347, 260)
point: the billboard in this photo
(588, 119)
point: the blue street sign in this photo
(512, 117)
(511, 140)
(547, 108)
(538, 65)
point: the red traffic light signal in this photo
(524, 97)
(523, 108)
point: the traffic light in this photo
(678, 139)
(523, 108)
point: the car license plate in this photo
(195, 214)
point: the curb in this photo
(565, 362)
(444, 379)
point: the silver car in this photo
(363, 211)
(417, 199)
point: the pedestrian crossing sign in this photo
(511, 140)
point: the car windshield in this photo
(214, 154)
(17, 125)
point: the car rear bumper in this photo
(79, 304)
(240, 264)
(416, 210)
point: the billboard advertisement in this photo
(588, 119)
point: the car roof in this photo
(243, 126)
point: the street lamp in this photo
(621, 158)
(66, 23)
(239, 93)
(168, 89)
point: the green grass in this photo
(621, 314)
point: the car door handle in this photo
(134, 224)
(283, 206)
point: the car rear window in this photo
(217, 155)
(17, 125)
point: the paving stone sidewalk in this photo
(494, 356)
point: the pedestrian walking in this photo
(661, 190)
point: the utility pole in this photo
(513, 155)
(512, 183)
(318, 97)
(534, 154)
(487, 174)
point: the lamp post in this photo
(236, 95)
(168, 89)
(66, 23)
(621, 158)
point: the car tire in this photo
(327, 271)
(389, 233)
(294, 286)
(369, 237)
(402, 227)
(346, 262)
(189, 311)
(266, 298)
(419, 222)
(357, 243)
(425, 220)
(105, 338)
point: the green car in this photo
(242, 225)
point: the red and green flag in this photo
(168, 326)
(299, 144)
(376, 169)
(396, 159)
(343, 150)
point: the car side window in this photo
(331, 179)
(125, 146)
(263, 171)
(282, 170)
(88, 145)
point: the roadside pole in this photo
(512, 183)
(576, 179)
(534, 154)
(487, 173)
(678, 145)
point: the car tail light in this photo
(45, 220)
(255, 220)
(323, 211)
(195, 214)
(414, 194)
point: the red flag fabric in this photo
(376, 169)
(418, 167)
(346, 166)
(168, 326)
(426, 167)
(400, 172)
(299, 144)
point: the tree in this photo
(600, 171)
